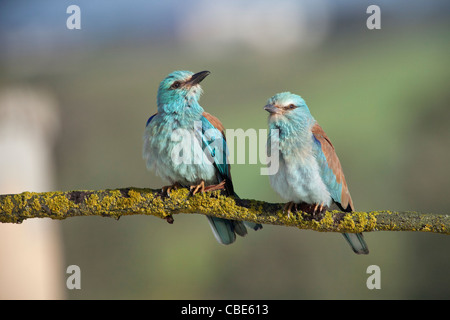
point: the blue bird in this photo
(309, 170)
(186, 146)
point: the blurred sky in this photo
(40, 26)
(381, 96)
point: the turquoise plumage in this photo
(186, 146)
(309, 169)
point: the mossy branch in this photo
(131, 201)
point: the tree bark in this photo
(115, 203)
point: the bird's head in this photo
(180, 89)
(287, 108)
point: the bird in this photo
(309, 170)
(182, 127)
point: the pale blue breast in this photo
(173, 152)
(298, 178)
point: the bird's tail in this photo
(225, 230)
(356, 241)
(252, 225)
(222, 229)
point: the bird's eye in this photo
(175, 85)
(291, 106)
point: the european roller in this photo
(309, 170)
(186, 146)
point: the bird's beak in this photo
(271, 108)
(197, 78)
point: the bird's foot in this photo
(318, 209)
(195, 188)
(288, 208)
(202, 188)
(214, 187)
(166, 189)
(166, 193)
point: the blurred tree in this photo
(31, 264)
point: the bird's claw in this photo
(166, 189)
(313, 210)
(214, 187)
(202, 188)
(318, 206)
(288, 208)
(195, 188)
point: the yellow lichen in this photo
(7, 206)
(371, 221)
(57, 203)
(15, 208)
(124, 203)
(36, 205)
(327, 221)
(92, 203)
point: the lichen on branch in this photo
(15, 208)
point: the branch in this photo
(15, 208)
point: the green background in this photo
(381, 96)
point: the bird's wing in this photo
(215, 123)
(214, 143)
(330, 169)
(146, 147)
(150, 119)
(333, 177)
(221, 226)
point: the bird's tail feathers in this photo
(225, 230)
(239, 228)
(251, 225)
(222, 229)
(356, 241)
